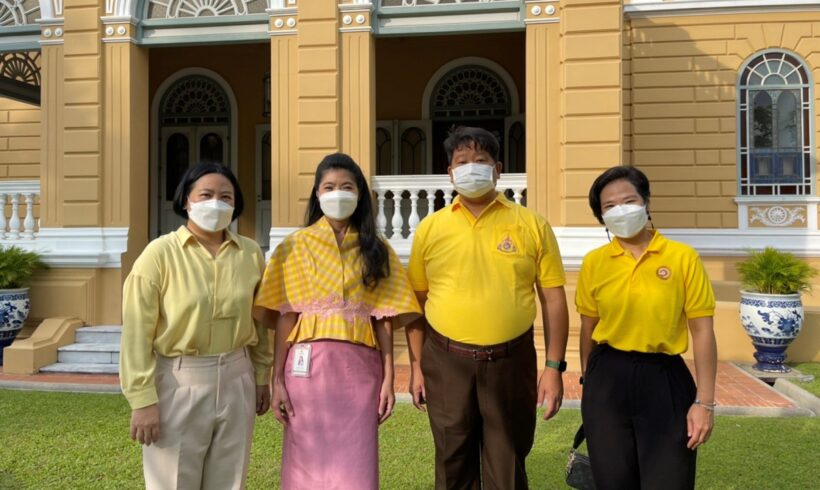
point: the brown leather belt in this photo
(478, 352)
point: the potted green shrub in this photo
(16, 268)
(771, 311)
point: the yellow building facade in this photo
(104, 103)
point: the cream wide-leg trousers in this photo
(207, 407)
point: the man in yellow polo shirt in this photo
(478, 267)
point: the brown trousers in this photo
(482, 415)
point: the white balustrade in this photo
(20, 224)
(404, 200)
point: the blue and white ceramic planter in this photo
(14, 307)
(772, 321)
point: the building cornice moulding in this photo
(648, 8)
(577, 241)
(98, 248)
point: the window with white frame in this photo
(775, 130)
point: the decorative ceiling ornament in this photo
(175, 9)
(18, 12)
(777, 215)
(21, 67)
(470, 91)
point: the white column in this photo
(397, 220)
(14, 222)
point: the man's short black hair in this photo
(195, 173)
(465, 136)
(631, 174)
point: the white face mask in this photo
(626, 220)
(211, 215)
(338, 205)
(473, 179)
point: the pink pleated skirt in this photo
(331, 442)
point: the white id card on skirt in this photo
(301, 361)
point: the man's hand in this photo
(262, 399)
(145, 424)
(417, 389)
(550, 392)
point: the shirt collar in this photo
(185, 236)
(656, 245)
(500, 198)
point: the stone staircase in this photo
(96, 351)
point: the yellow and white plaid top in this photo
(310, 274)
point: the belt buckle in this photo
(477, 354)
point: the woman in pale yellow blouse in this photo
(340, 290)
(193, 366)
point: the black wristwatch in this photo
(561, 366)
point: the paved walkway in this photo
(737, 391)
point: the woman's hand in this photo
(145, 424)
(280, 402)
(262, 399)
(387, 398)
(699, 423)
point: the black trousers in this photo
(634, 408)
(482, 415)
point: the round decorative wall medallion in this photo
(360, 19)
(58, 31)
(536, 10)
(550, 9)
(278, 23)
(47, 33)
(291, 22)
(109, 31)
(777, 215)
(346, 20)
(121, 30)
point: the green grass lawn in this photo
(80, 441)
(812, 368)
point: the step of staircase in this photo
(89, 353)
(79, 368)
(103, 334)
(96, 351)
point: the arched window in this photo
(413, 151)
(775, 127)
(384, 152)
(470, 92)
(471, 95)
(195, 100)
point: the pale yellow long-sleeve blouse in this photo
(179, 300)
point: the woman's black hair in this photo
(195, 173)
(631, 174)
(479, 138)
(373, 249)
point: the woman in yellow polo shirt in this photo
(193, 365)
(643, 414)
(340, 290)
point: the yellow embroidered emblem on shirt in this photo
(664, 272)
(507, 246)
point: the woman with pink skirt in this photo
(340, 290)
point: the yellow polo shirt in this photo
(179, 300)
(643, 305)
(480, 273)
